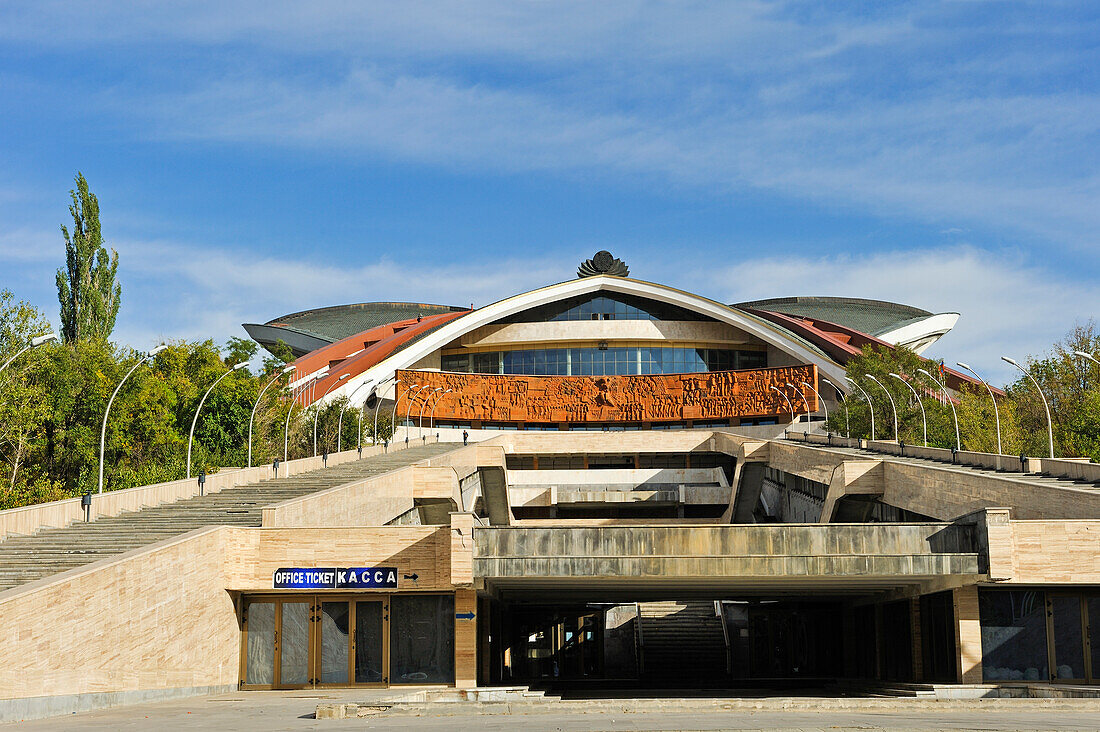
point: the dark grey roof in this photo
(340, 321)
(872, 317)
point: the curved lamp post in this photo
(103, 431)
(417, 393)
(844, 399)
(996, 412)
(870, 404)
(1082, 354)
(819, 400)
(950, 403)
(35, 343)
(1050, 424)
(396, 402)
(255, 406)
(293, 401)
(893, 407)
(363, 409)
(340, 422)
(317, 414)
(378, 404)
(431, 416)
(788, 401)
(923, 416)
(805, 401)
(428, 398)
(195, 421)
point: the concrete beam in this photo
(494, 491)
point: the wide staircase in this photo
(681, 641)
(50, 551)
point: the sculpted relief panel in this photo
(657, 398)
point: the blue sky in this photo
(256, 158)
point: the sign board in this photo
(335, 578)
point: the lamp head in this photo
(962, 365)
(240, 366)
(156, 350)
(44, 338)
(288, 369)
(1012, 361)
(1082, 354)
(343, 376)
(896, 376)
(922, 371)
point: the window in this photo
(603, 361)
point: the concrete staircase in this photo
(28, 558)
(681, 640)
(1033, 478)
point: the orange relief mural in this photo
(656, 398)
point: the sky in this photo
(253, 159)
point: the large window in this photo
(1014, 635)
(609, 306)
(604, 361)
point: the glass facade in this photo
(1014, 635)
(422, 639)
(611, 306)
(604, 361)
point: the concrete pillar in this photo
(968, 635)
(915, 636)
(466, 639)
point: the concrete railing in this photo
(30, 519)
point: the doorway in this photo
(301, 641)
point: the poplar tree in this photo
(86, 288)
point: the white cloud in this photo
(1007, 306)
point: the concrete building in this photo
(645, 517)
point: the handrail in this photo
(725, 635)
(639, 637)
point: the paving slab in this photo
(294, 710)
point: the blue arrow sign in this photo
(464, 616)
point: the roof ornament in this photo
(602, 263)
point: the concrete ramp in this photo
(494, 492)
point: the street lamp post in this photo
(35, 342)
(950, 403)
(819, 400)
(805, 401)
(996, 412)
(923, 416)
(195, 421)
(789, 405)
(1050, 423)
(843, 398)
(340, 422)
(431, 416)
(317, 413)
(428, 398)
(893, 407)
(103, 431)
(870, 405)
(293, 401)
(396, 402)
(378, 404)
(419, 392)
(252, 417)
(1089, 356)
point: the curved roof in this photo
(372, 369)
(873, 317)
(308, 330)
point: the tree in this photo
(239, 350)
(86, 288)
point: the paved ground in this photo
(276, 711)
